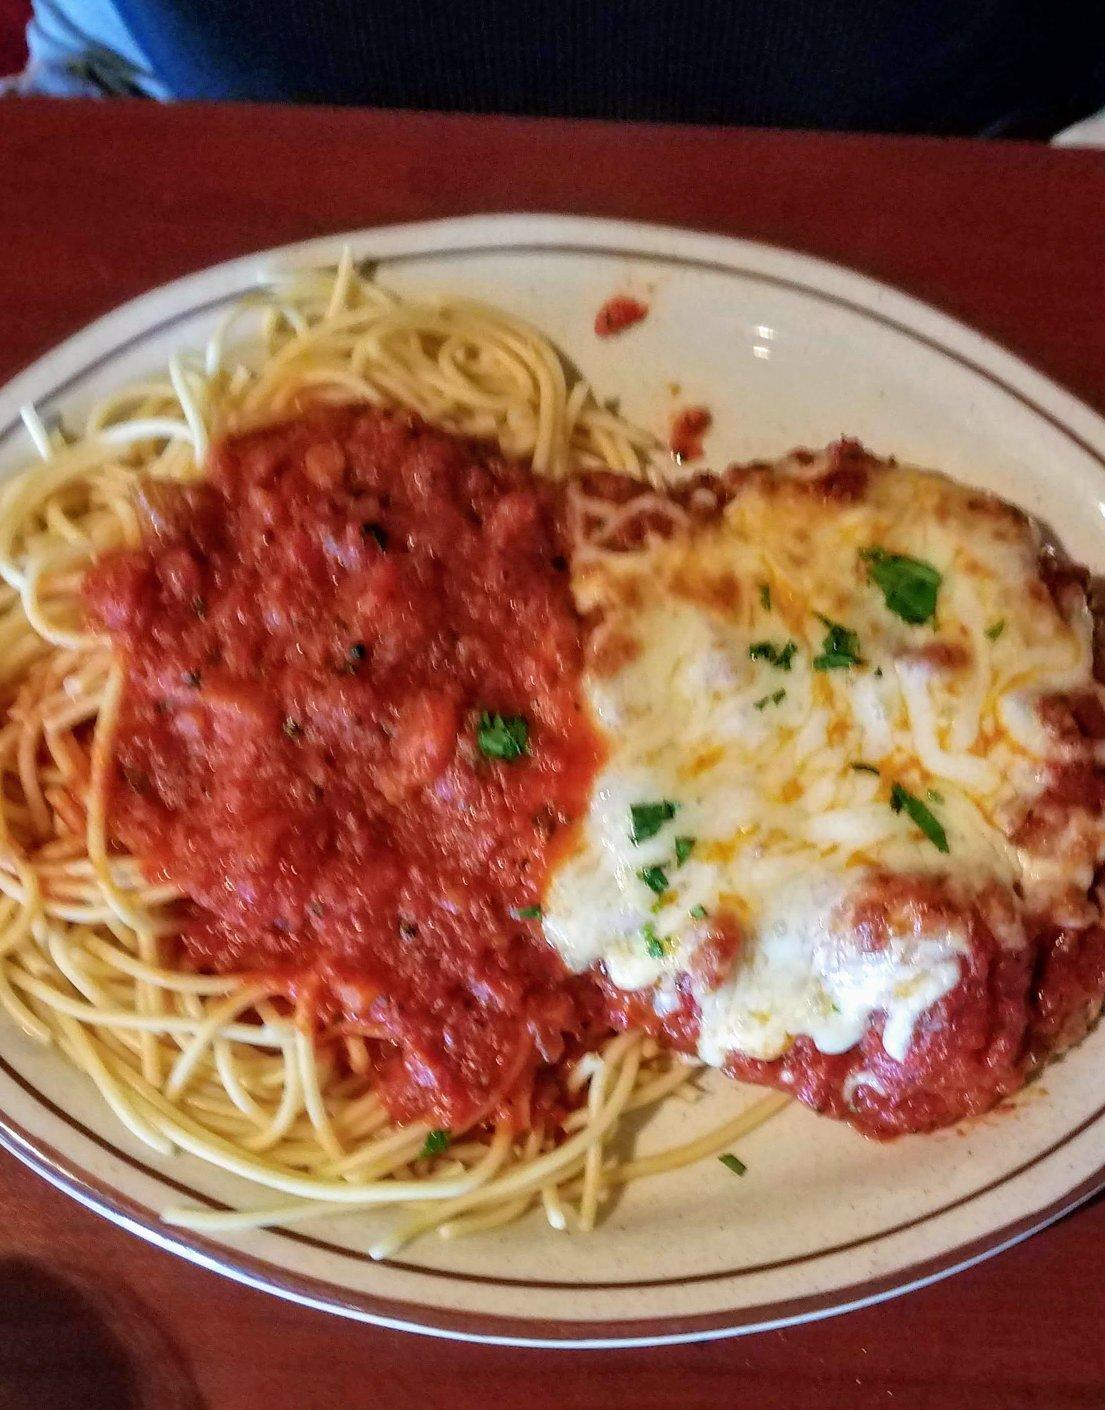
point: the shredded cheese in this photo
(759, 760)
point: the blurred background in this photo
(14, 15)
(995, 68)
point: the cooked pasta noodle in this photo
(221, 1065)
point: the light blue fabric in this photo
(81, 48)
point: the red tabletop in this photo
(101, 201)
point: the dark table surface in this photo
(101, 201)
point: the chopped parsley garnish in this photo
(437, 1142)
(684, 846)
(770, 700)
(995, 629)
(653, 944)
(502, 736)
(734, 1163)
(527, 913)
(698, 912)
(648, 818)
(839, 650)
(865, 769)
(901, 800)
(765, 597)
(655, 878)
(356, 652)
(909, 585)
(780, 656)
(292, 728)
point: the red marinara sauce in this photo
(313, 637)
(617, 314)
(688, 427)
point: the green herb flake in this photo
(734, 1163)
(770, 700)
(653, 944)
(684, 846)
(292, 728)
(437, 1142)
(909, 585)
(502, 736)
(655, 878)
(864, 769)
(780, 656)
(839, 650)
(698, 912)
(995, 629)
(901, 800)
(526, 913)
(646, 819)
(765, 597)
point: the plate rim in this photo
(489, 1329)
(824, 280)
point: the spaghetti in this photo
(232, 1067)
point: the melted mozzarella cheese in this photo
(759, 761)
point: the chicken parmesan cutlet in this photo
(846, 834)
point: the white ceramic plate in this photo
(785, 350)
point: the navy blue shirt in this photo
(998, 67)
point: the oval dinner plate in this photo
(784, 350)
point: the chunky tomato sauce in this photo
(617, 314)
(688, 428)
(1010, 1012)
(351, 736)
